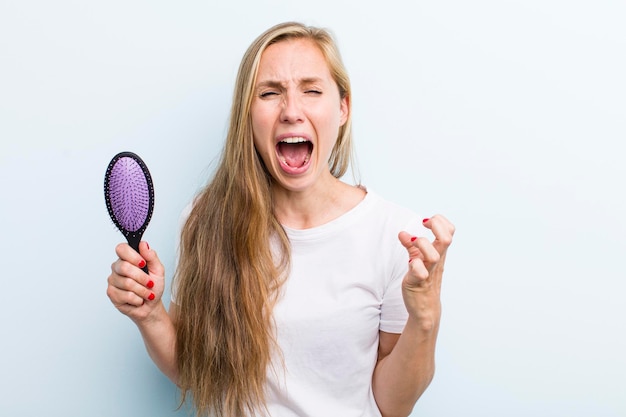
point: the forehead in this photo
(293, 58)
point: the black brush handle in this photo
(133, 240)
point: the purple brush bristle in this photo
(129, 195)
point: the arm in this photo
(159, 336)
(406, 362)
(405, 367)
(138, 295)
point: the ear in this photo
(344, 109)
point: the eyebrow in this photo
(279, 84)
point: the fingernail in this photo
(410, 260)
(150, 284)
(425, 220)
(141, 264)
(151, 296)
(413, 239)
(148, 246)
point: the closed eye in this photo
(267, 94)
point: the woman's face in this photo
(296, 114)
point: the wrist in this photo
(152, 317)
(425, 328)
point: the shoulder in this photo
(389, 211)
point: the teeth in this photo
(294, 140)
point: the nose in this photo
(291, 111)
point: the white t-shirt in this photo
(343, 288)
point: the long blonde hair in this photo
(228, 277)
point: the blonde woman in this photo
(293, 295)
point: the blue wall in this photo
(508, 117)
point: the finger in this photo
(443, 231)
(120, 297)
(152, 259)
(128, 254)
(430, 255)
(419, 248)
(407, 240)
(418, 272)
(129, 278)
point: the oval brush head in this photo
(129, 196)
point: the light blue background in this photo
(509, 117)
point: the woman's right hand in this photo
(138, 295)
(132, 291)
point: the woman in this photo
(292, 295)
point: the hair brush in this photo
(129, 196)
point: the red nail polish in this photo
(150, 284)
(425, 220)
(410, 260)
(151, 296)
(142, 263)
(148, 246)
(413, 239)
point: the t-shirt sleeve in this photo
(393, 314)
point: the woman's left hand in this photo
(421, 287)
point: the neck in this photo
(314, 207)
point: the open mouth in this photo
(294, 152)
